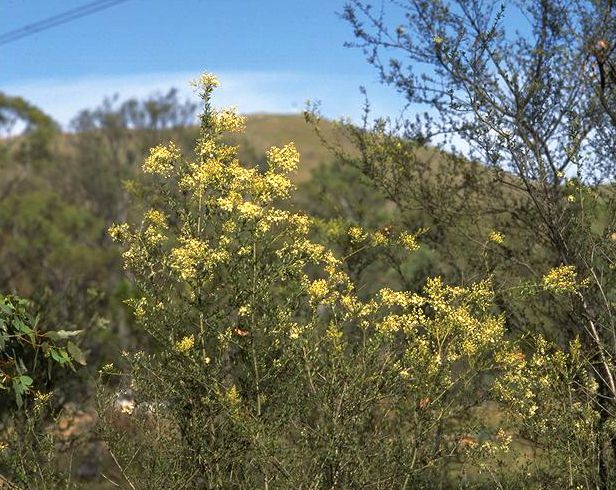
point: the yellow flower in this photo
(379, 238)
(185, 259)
(119, 232)
(294, 331)
(233, 395)
(283, 159)
(228, 120)
(41, 398)
(107, 368)
(318, 289)
(497, 237)
(161, 160)
(561, 279)
(408, 241)
(156, 218)
(356, 234)
(206, 81)
(185, 344)
(249, 210)
(277, 185)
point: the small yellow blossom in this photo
(356, 234)
(561, 279)
(301, 221)
(571, 198)
(153, 234)
(229, 226)
(156, 218)
(244, 251)
(408, 241)
(119, 232)
(206, 81)
(107, 368)
(277, 185)
(185, 259)
(233, 395)
(249, 210)
(396, 298)
(283, 159)
(161, 160)
(318, 289)
(335, 336)
(185, 344)
(497, 237)
(294, 331)
(228, 120)
(379, 238)
(41, 398)
(3, 446)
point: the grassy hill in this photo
(266, 130)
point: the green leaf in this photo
(19, 399)
(6, 308)
(55, 355)
(21, 326)
(76, 353)
(62, 334)
(25, 380)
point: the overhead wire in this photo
(58, 19)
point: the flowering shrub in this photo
(268, 369)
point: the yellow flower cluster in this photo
(153, 234)
(318, 290)
(295, 331)
(41, 397)
(186, 259)
(244, 310)
(186, 344)
(156, 218)
(233, 395)
(283, 159)
(561, 279)
(379, 239)
(408, 241)
(277, 185)
(107, 368)
(228, 120)
(206, 81)
(496, 237)
(161, 160)
(356, 234)
(249, 210)
(398, 298)
(194, 256)
(119, 232)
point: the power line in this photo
(58, 19)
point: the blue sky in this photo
(271, 55)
